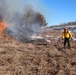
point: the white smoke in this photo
(22, 26)
(3, 9)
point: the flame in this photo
(2, 26)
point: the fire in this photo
(2, 26)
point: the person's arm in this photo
(63, 35)
(70, 34)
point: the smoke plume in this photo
(22, 25)
(3, 9)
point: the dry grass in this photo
(35, 58)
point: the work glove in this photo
(71, 39)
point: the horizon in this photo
(55, 11)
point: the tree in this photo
(26, 24)
(30, 16)
(40, 19)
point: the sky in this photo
(55, 11)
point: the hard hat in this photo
(65, 28)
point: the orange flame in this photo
(2, 26)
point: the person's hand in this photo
(71, 39)
(62, 40)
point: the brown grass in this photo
(36, 59)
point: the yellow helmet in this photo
(65, 28)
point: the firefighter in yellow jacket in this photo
(66, 36)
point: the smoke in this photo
(3, 9)
(22, 25)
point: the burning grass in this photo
(2, 26)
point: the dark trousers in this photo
(67, 40)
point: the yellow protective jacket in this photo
(67, 34)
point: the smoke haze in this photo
(21, 25)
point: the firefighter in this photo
(66, 36)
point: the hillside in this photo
(70, 25)
(36, 58)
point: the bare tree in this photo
(27, 24)
(30, 16)
(39, 18)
